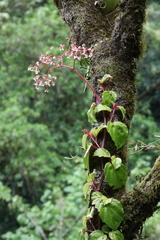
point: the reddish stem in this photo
(112, 115)
(95, 142)
(92, 224)
(83, 78)
(104, 136)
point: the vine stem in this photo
(83, 78)
(104, 136)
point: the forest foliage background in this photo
(41, 166)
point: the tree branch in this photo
(141, 203)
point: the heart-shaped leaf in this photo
(118, 132)
(116, 178)
(112, 214)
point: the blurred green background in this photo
(41, 169)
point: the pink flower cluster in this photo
(50, 61)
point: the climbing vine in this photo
(113, 171)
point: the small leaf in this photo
(116, 178)
(82, 234)
(89, 215)
(86, 157)
(105, 77)
(91, 177)
(95, 131)
(91, 114)
(112, 214)
(96, 196)
(101, 107)
(116, 162)
(108, 98)
(118, 132)
(98, 235)
(84, 141)
(105, 229)
(102, 152)
(86, 187)
(116, 235)
(123, 110)
(84, 62)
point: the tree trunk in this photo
(116, 45)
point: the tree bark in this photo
(116, 48)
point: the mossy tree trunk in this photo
(117, 45)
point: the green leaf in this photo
(84, 141)
(116, 162)
(86, 187)
(108, 98)
(105, 229)
(112, 214)
(101, 107)
(116, 235)
(82, 234)
(110, 210)
(86, 157)
(105, 77)
(84, 62)
(102, 152)
(116, 178)
(95, 131)
(95, 196)
(123, 110)
(118, 132)
(91, 177)
(98, 235)
(89, 215)
(91, 114)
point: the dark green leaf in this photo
(105, 229)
